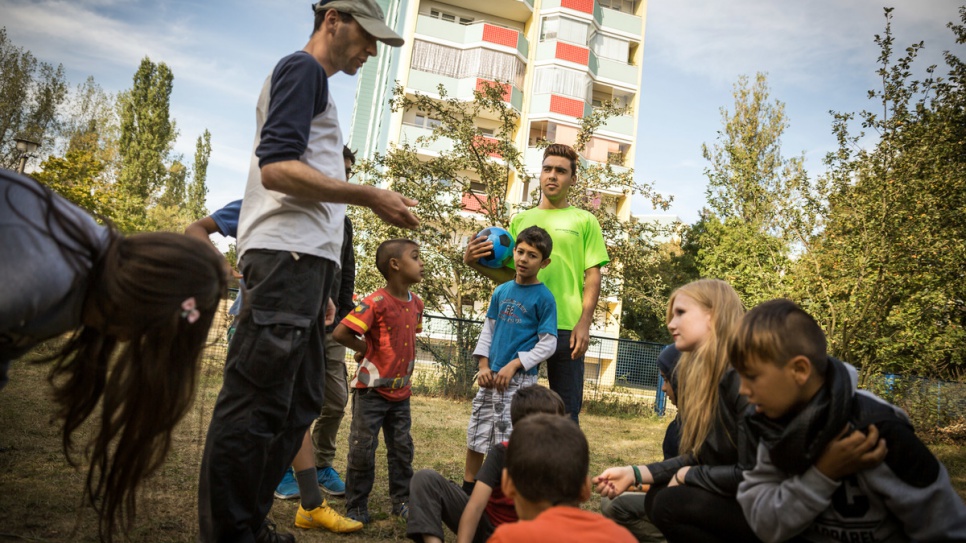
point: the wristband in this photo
(637, 476)
(676, 480)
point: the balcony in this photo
(409, 134)
(481, 33)
(542, 105)
(613, 71)
(619, 21)
(461, 89)
(622, 125)
(479, 203)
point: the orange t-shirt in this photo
(390, 327)
(563, 524)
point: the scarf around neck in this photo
(795, 442)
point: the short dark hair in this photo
(535, 399)
(320, 11)
(566, 151)
(548, 459)
(538, 238)
(347, 154)
(775, 332)
(388, 250)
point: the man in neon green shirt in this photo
(573, 275)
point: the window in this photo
(477, 187)
(625, 6)
(610, 47)
(564, 29)
(541, 130)
(449, 17)
(488, 132)
(461, 63)
(557, 80)
(423, 121)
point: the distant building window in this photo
(480, 62)
(488, 132)
(625, 6)
(610, 47)
(449, 17)
(564, 29)
(423, 121)
(557, 80)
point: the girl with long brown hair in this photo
(138, 309)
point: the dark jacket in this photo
(727, 451)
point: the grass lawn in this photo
(40, 493)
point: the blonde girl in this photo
(692, 495)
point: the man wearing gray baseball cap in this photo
(289, 245)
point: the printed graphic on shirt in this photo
(512, 311)
(359, 316)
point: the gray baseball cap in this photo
(369, 16)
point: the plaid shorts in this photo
(490, 420)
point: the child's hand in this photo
(852, 451)
(359, 357)
(614, 481)
(502, 380)
(485, 379)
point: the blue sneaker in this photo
(330, 482)
(288, 489)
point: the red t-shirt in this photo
(390, 327)
(563, 524)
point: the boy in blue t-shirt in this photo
(520, 332)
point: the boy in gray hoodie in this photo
(820, 474)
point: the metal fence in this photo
(612, 366)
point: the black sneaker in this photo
(267, 534)
(401, 509)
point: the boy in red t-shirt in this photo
(547, 461)
(388, 319)
(436, 500)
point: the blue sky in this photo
(819, 56)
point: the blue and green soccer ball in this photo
(502, 246)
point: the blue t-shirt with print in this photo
(521, 313)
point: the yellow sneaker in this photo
(326, 517)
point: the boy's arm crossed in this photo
(779, 506)
(916, 488)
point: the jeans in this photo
(566, 375)
(272, 391)
(435, 501)
(629, 511)
(326, 427)
(370, 412)
(688, 513)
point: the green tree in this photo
(886, 274)
(30, 93)
(198, 190)
(147, 134)
(754, 197)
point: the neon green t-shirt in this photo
(578, 244)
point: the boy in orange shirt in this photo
(389, 320)
(547, 461)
